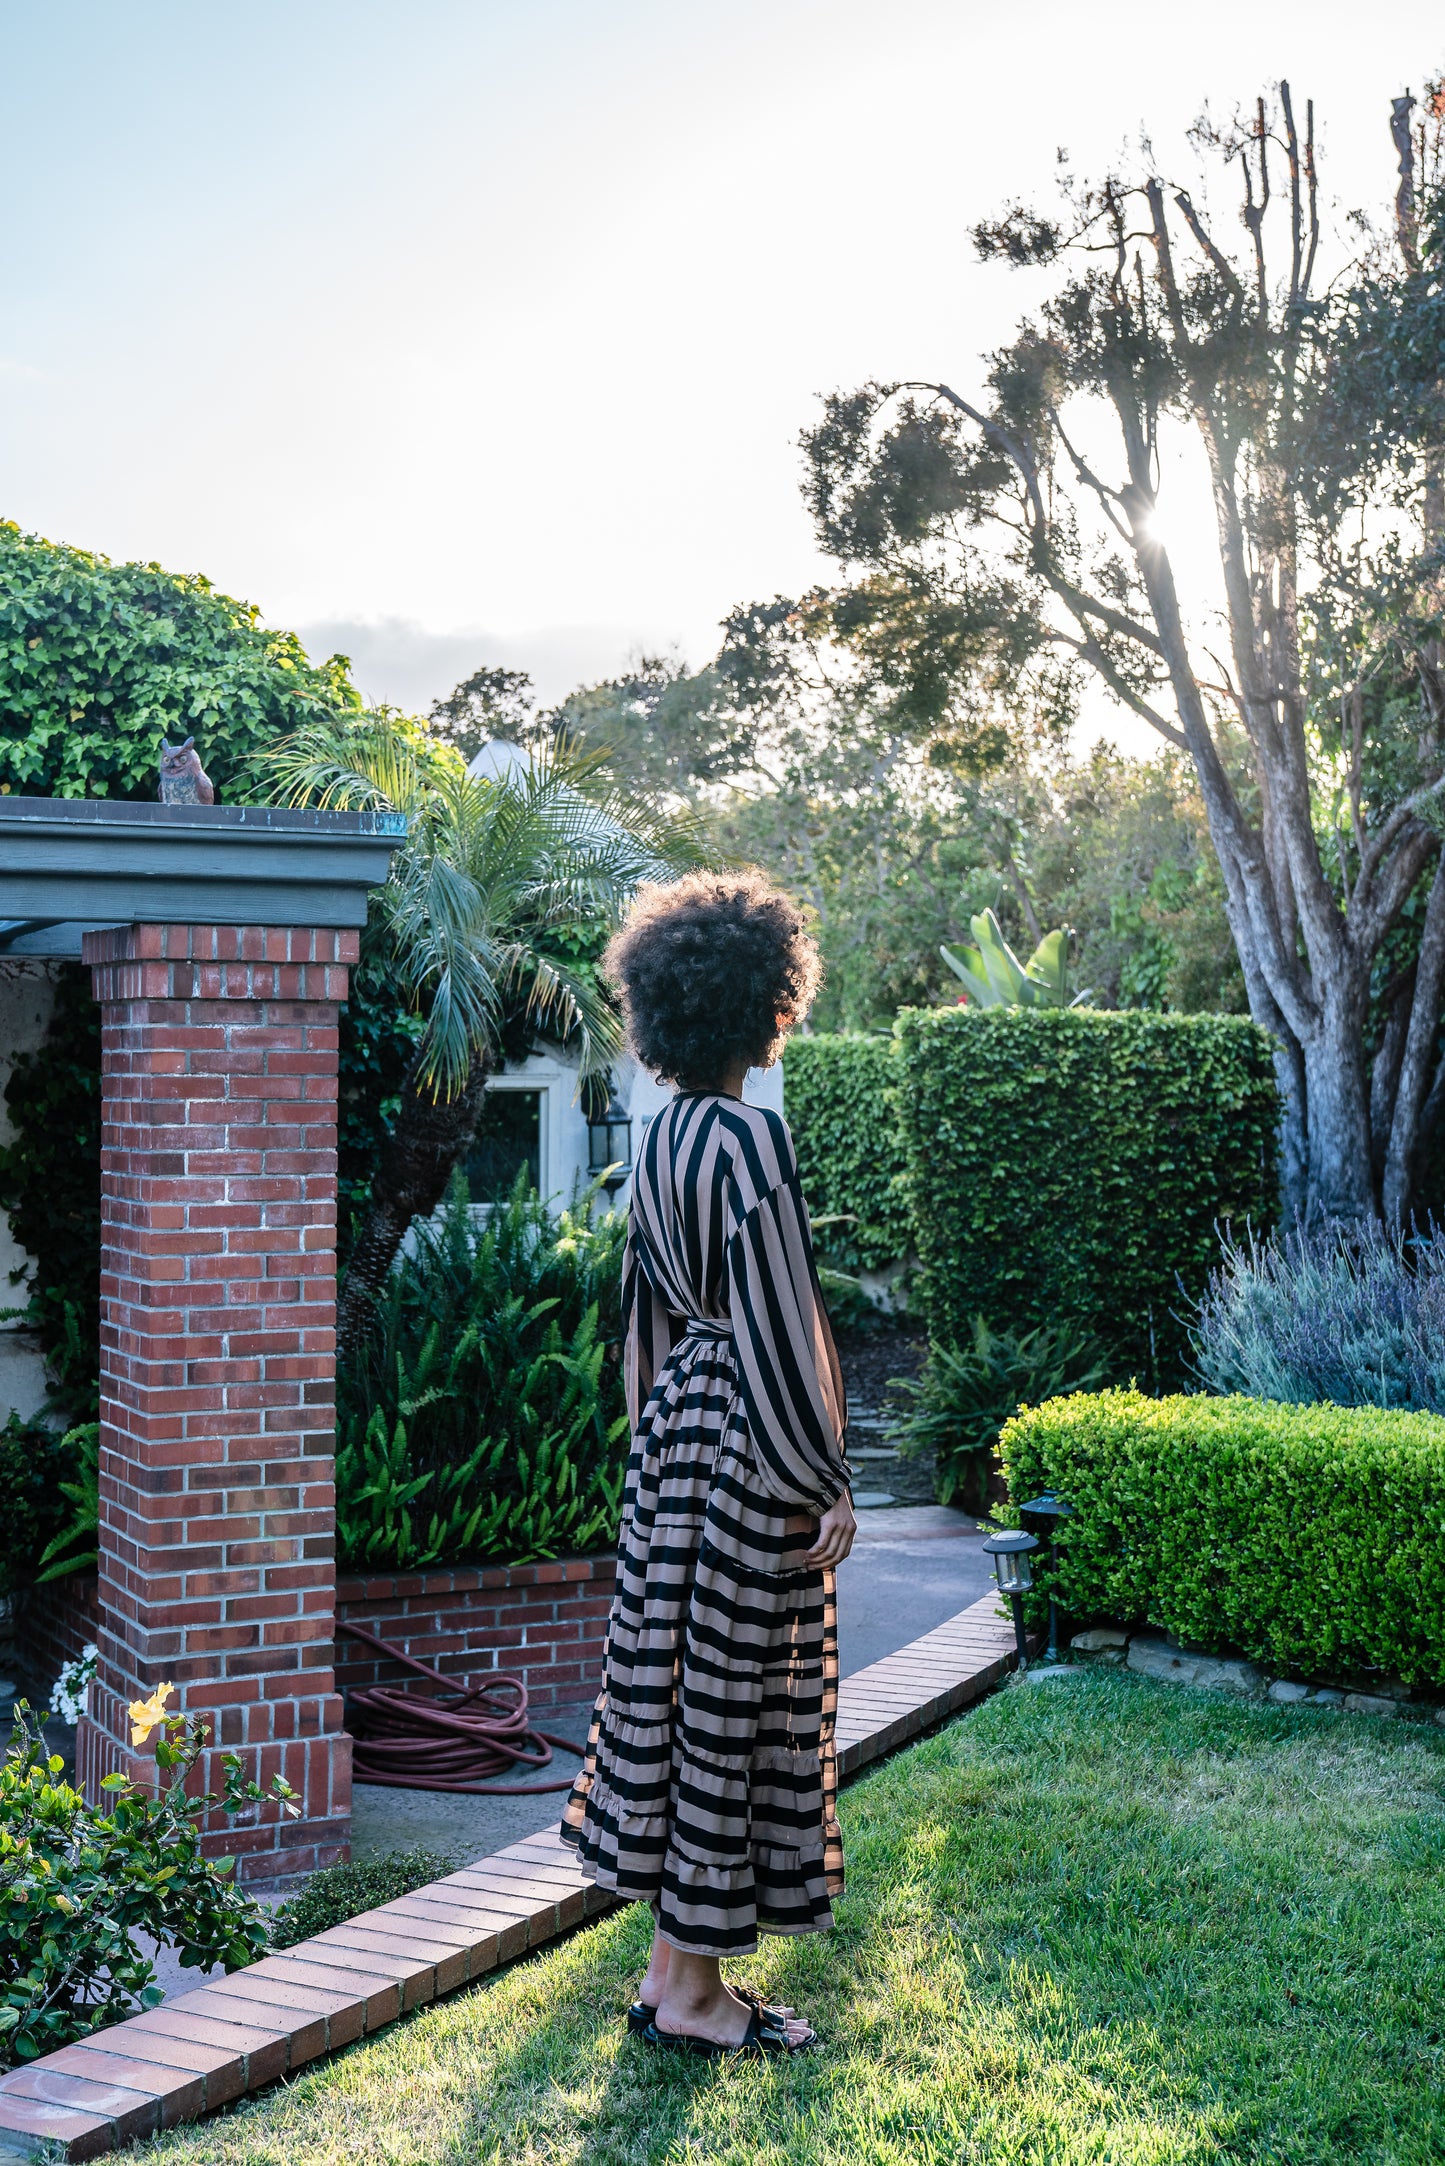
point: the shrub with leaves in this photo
(848, 1303)
(77, 1883)
(966, 1393)
(339, 1892)
(35, 1466)
(1070, 1165)
(839, 1092)
(484, 1415)
(1348, 1314)
(1309, 1537)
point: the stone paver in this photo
(235, 2034)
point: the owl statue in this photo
(183, 779)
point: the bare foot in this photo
(654, 1978)
(653, 1986)
(720, 2016)
(723, 2019)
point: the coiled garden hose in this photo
(451, 1738)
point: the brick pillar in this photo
(218, 1288)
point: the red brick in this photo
(129, 2113)
(102, 2059)
(83, 2135)
(218, 1157)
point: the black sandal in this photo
(761, 2037)
(639, 2015)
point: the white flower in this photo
(67, 1699)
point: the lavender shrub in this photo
(1352, 1316)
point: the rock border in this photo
(1152, 1654)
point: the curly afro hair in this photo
(713, 969)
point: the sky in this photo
(464, 332)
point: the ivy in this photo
(100, 661)
(50, 1187)
(35, 1463)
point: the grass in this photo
(1098, 1920)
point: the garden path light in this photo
(1010, 1552)
(1050, 1509)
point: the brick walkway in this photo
(239, 2033)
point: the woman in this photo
(708, 1788)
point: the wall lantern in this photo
(1047, 1511)
(1010, 1552)
(609, 1145)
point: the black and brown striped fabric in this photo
(709, 1785)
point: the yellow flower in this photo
(145, 1715)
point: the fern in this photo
(485, 1417)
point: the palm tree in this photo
(489, 864)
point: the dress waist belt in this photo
(709, 1327)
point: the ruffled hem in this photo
(806, 1763)
(645, 1740)
(622, 1819)
(775, 1861)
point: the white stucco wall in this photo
(564, 1128)
(27, 995)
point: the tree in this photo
(1037, 510)
(1119, 849)
(665, 730)
(489, 703)
(898, 821)
(488, 868)
(99, 662)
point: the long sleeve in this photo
(649, 1330)
(791, 1383)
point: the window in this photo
(509, 1137)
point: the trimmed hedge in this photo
(840, 1108)
(1312, 1537)
(1072, 1165)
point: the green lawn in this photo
(1096, 1920)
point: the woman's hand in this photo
(836, 1530)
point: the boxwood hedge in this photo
(1311, 1537)
(1072, 1165)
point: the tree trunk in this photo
(1397, 1001)
(1340, 1183)
(1418, 1059)
(429, 1139)
(1294, 1156)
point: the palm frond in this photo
(559, 994)
(489, 863)
(372, 761)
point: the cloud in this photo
(397, 660)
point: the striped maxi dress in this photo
(709, 1786)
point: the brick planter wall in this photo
(218, 1272)
(544, 1623)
